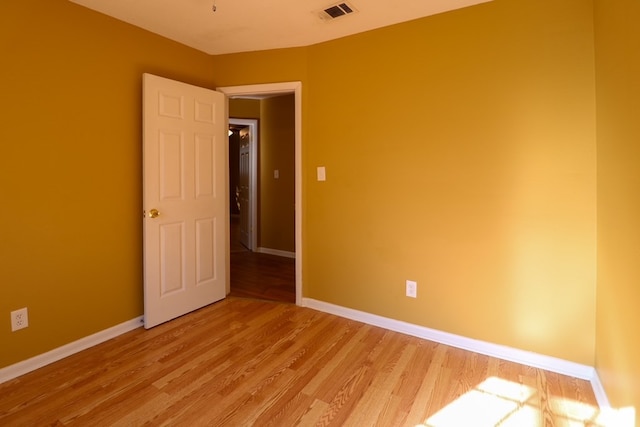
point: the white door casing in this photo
(185, 153)
(268, 89)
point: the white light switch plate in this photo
(322, 174)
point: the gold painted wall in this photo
(460, 153)
(277, 152)
(244, 108)
(618, 103)
(267, 66)
(463, 146)
(70, 169)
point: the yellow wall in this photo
(460, 153)
(618, 95)
(70, 168)
(268, 66)
(244, 108)
(277, 152)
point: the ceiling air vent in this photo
(336, 11)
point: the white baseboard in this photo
(535, 360)
(598, 390)
(13, 371)
(276, 252)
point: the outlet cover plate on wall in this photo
(412, 289)
(19, 319)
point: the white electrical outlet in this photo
(19, 319)
(412, 289)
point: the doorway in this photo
(269, 90)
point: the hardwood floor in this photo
(261, 276)
(243, 362)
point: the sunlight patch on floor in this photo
(501, 403)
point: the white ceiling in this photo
(249, 25)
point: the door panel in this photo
(205, 179)
(172, 260)
(170, 165)
(205, 241)
(184, 180)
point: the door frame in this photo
(272, 89)
(253, 173)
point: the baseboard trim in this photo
(535, 360)
(276, 252)
(13, 371)
(598, 390)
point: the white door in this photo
(243, 184)
(247, 179)
(185, 198)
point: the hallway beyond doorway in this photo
(257, 275)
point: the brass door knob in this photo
(153, 213)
